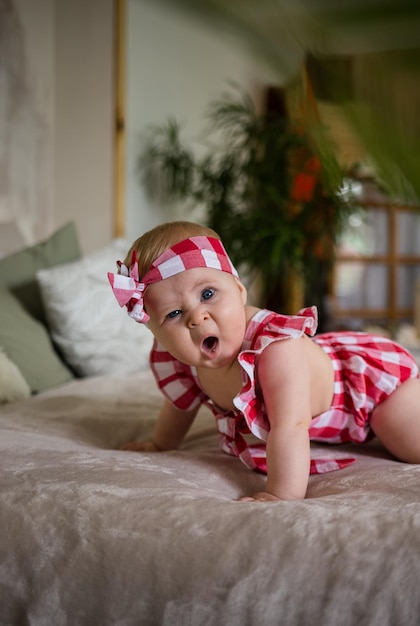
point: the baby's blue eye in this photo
(173, 314)
(207, 294)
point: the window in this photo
(377, 264)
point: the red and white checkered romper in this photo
(367, 370)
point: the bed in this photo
(93, 535)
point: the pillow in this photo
(12, 384)
(28, 345)
(18, 270)
(90, 329)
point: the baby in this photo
(259, 372)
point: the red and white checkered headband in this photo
(185, 255)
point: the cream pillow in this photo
(12, 384)
(94, 335)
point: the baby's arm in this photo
(171, 427)
(284, 380)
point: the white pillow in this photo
(94, 335)
(12, 384)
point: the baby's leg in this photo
(396, 422)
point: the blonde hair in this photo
(153, 243)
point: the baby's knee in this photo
(396, 422)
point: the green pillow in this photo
(18, 270)
(27, 344)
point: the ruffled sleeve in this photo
(265, 328)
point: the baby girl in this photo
(260, 372)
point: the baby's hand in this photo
(140, 446)
(261, 496)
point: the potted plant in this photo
(269, 195)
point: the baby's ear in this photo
(242, 289)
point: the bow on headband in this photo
(128, 290)
(187, 254)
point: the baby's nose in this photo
(197, 316)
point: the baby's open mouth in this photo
(210, 344)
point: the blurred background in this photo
(83, 82)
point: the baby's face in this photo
(199, 316)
